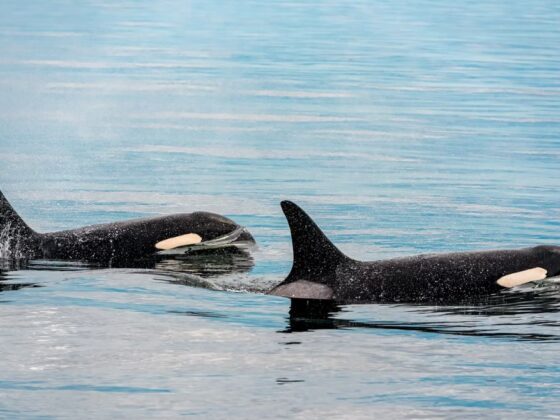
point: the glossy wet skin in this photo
(130, 240)
(437, 278)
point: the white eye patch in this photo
(177, 241)
(522, 277)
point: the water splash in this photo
(11, 246)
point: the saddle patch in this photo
(303, 289)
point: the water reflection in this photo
(497, 317)
(203, 268)
(6, 285)
(228, 261)
(539, 299)
(9, 264)
(196, 270)
(203, 263)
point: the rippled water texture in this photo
(402, 127)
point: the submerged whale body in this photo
(124, 242)
(321, 271)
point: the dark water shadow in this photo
(9, 287)
(310, 315)
(6, 285)
(200, 314)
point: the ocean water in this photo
(402, 127)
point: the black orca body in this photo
(117, 243)
(321, 271)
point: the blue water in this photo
(402, 127)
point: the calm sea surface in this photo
(402, 127)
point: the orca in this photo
(320, 271)
(122, 243)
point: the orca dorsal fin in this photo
(10, 222)
(315, 256)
